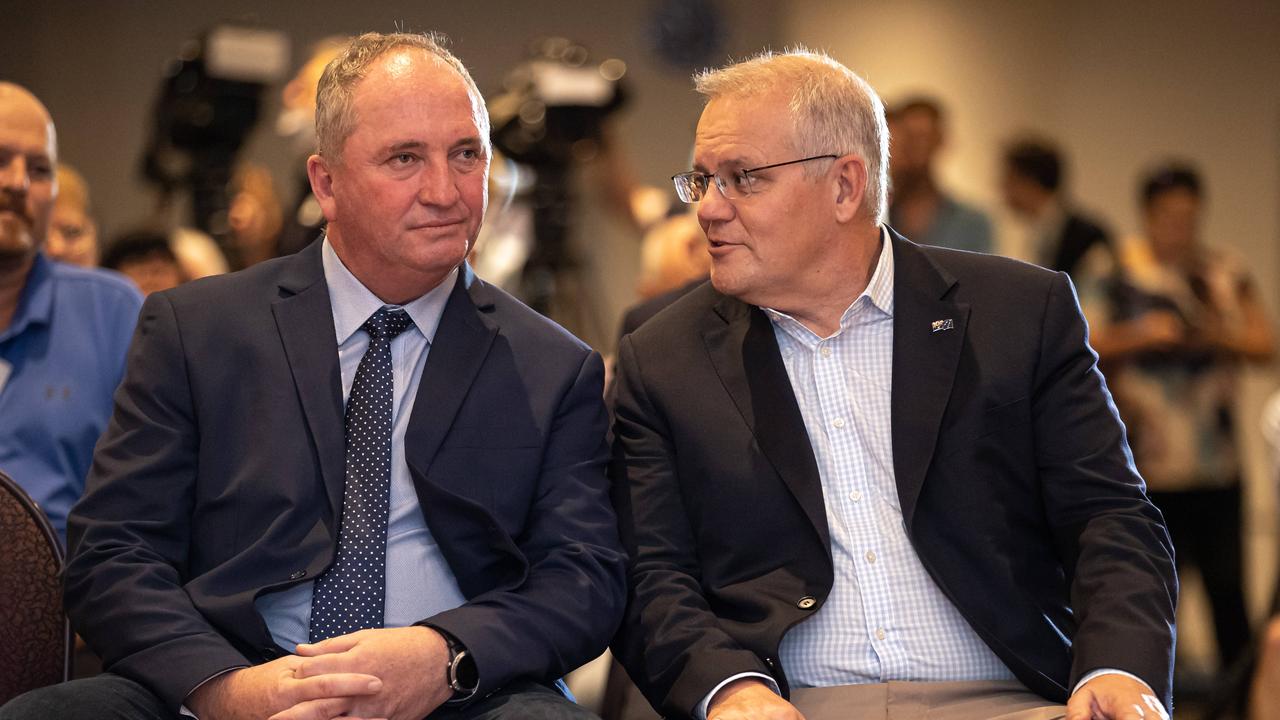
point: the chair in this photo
(35, 637)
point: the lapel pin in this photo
(941, 325)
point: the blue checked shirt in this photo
(885, 619)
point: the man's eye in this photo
(402, 158)
(740, 181)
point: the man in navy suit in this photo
(864, 478)
(450, 551)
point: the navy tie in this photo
(351, 594)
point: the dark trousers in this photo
(1206, 530)
(112, 697)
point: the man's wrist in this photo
(202, 700)
(461, 673)
(704, 707)
(1113, 671)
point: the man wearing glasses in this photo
(856, 475)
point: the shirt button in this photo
(826, 351)
(856, 495)
(871, 556)
(880, 633)
(298, 574)
(838, 422)
(807, 602)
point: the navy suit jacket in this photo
(1016, 484)
(221, 476)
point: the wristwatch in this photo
(461, 672)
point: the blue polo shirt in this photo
(61, 358)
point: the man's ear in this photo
(850, 185)
(321, 178)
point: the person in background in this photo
(1062, 238)
(1263, 673)
(295, 124)
(73, 235)
(919, 208)
(146, 258)
(1174, 337)
(1251, 690)
(254, 217)
(64, 330)
(673, 261)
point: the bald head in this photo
(28, 156)
(18, 107)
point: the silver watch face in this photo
(463, 677)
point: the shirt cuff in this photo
(184, 711)
(701, 711)
(1112, 671)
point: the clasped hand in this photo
(383, 673)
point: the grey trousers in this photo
(978, 700)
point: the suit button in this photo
(298, 575)
(807, 602)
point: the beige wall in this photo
(1121, 85)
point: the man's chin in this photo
(16, 243)
(725, 282)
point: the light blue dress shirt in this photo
(885, 619)
(419, 581)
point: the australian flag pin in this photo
(941, 325)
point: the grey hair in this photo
(335, 116)
(833, 110)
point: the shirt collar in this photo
(353, 303)
(880, 288)
(879, 292)
(35, 302)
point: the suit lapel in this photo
(304, 318)
(461, 343)
(925, 358)
(745, 354)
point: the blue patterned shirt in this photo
(885, 619)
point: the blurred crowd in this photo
(1174, 316)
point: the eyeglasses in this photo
(691, 187)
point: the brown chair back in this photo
(35, 638)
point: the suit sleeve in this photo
(570, 601)
(1110, 536)
(130, 533)
(671, 642)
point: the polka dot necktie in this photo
(350, 595)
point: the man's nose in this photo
(714, 206)
(439, 185)
(14, 175)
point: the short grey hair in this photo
(335, 115)
(833, 110)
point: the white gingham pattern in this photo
(885, 618)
